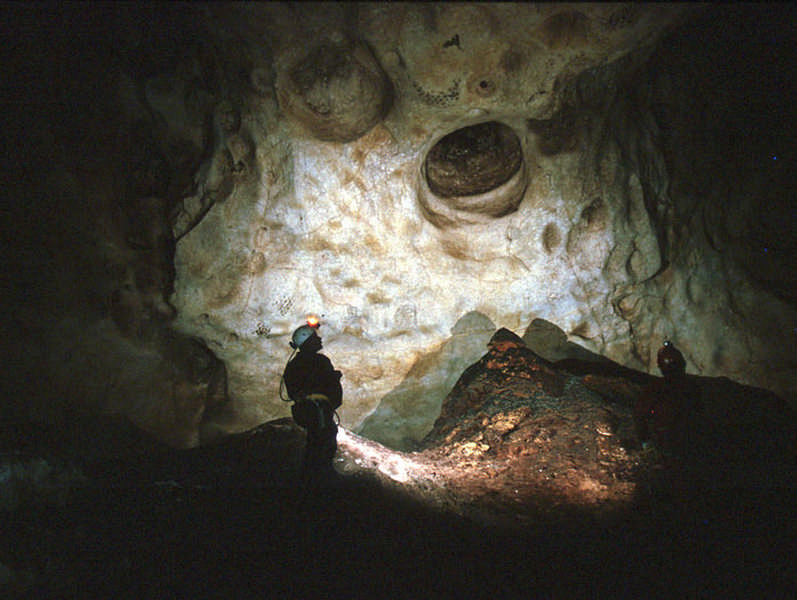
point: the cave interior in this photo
(500, 212)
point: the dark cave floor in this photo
(226, 522)
(353, 540)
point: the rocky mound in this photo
(524, 435)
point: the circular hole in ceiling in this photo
(473, 160)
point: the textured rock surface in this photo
(339, 232)
(548, 436)
(336, 89)
(237, 166)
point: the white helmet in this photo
(301, 335)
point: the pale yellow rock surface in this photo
(335, 228)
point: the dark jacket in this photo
(312, 373)
(664, 411)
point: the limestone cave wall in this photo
(185, 182)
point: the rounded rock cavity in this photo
(472, 174)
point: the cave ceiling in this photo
(189, 181)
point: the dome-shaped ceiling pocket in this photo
(472, 175)
(337, 91)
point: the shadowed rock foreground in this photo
(531, 482)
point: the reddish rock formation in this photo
(522, 436)
(532, 437)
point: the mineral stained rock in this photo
(527, 436)
(526, 425)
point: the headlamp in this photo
(313, 321)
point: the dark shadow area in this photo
(231, 519)
(355, 541)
